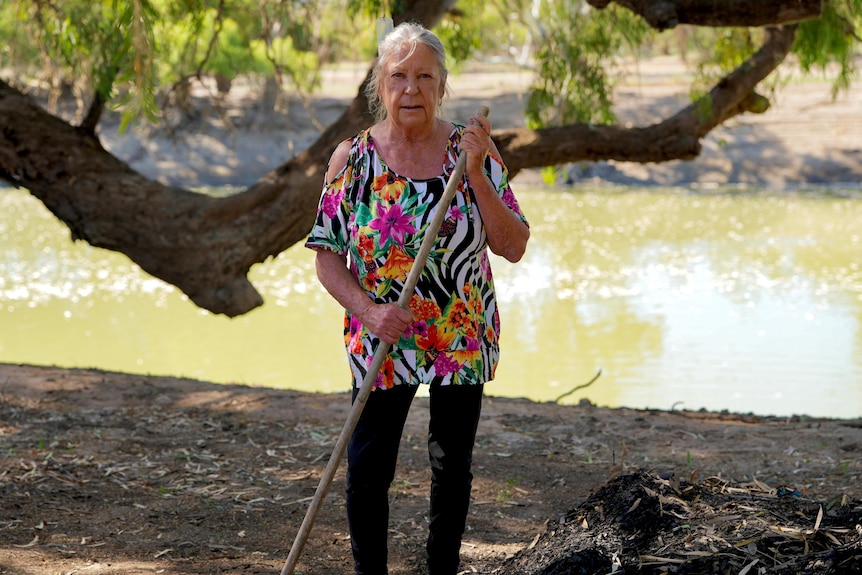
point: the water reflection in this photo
(745, 302)
(740, 302)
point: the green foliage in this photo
(721, 50)
(378, 8)
(362, 15)
(826, 45)
(471, 27)
(507, 492)
(575, 58)
(232, 54)
(297, 37)
(207, 42)
(831, 42)
(130, 51)
(479, 28)
(131, 64)
(301, 66)
(16, 46)
(458, 35)
(106, 43)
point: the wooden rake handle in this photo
(376, 363)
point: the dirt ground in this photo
(113, 473)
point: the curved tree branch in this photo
(664, 14)
(203, 245)
(94, 114)
(677, 138)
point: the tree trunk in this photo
(205, 246)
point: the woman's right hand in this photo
(388, 321)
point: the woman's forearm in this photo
(507, 233)
(386, 321)
(336, 278)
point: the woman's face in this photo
(411, 89)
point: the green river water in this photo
(723, 300)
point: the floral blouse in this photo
(378, 218)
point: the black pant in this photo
(371, 458)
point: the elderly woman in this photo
(381, 189)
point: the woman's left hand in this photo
(507, 234)
(476, 141)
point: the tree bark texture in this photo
(664, 14)
(205, 246)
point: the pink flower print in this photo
(485, 265)
(331, 202)
(445, 364)
(392, 223)
(354, 337)
(417, 328)
(385, 378)
(510, 200)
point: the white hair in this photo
(412, 35)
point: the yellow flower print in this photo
(397, 264)
(390, 188)
(365, 245)
(423, 309)
(467, 356)
(474, 299)
(386, 376)
(435, 340)
(458, 316)
(490, 334)
(369, 280)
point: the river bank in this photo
(805, 138)
(112, 473)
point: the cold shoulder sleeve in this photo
(335, 209)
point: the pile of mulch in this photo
(646, 523)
